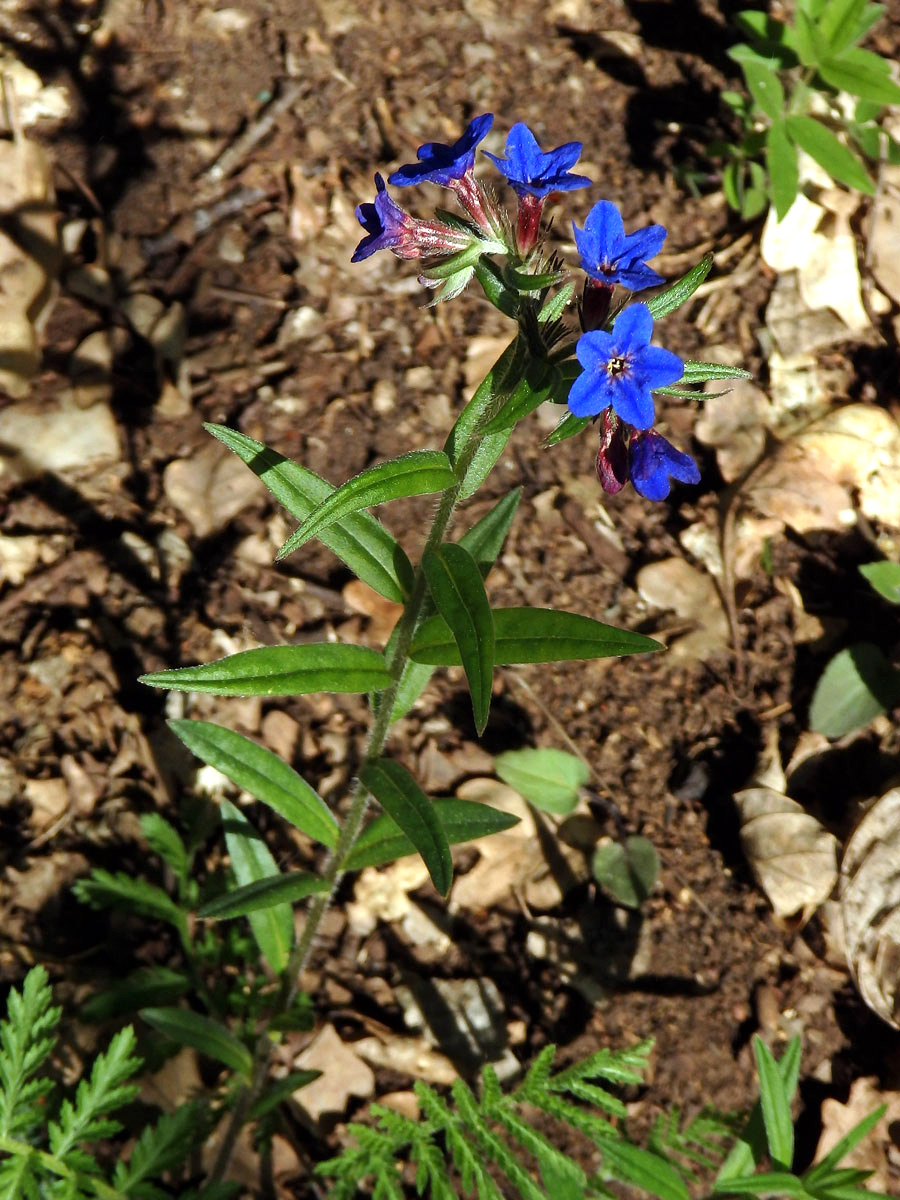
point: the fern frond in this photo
(492, 1146)
(160, 1148)
(17, 1178)
(103, 890)
(102, 1093)
(26, 1039)
(702, 1141)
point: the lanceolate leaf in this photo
(884, 577)
(208, 1036)
(415, 474)
(457, 588)
(358, 540)
(841, 23)
(261, 773)
(530, 635)
(282, 671)
(862, 75)
(752, 1145)
(647, 1171)
(568, 427)
(671, 297)
(462, 820)
(784, 172)
(775, 1105)
(251, 860)
(402, 798)
(536, 385)
(262, 894)
(765, 88)
(833, 156)
(485, 539)
(699, 372)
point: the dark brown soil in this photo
(287, 342)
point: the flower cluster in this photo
(620, 369)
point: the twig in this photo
(232, 156)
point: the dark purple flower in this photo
(444, 164)
(388, 227)
(611, 256)
(612, 456)
(652, 460)
(531, 172)
(622, 369)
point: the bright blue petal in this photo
(644, 243)
(589, 394)
(632, 401)
(595, 348)
(637, 276)
(444, 164)
(652, 459)
(655, 367)
(632, 329)
(565, 156)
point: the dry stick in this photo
(334, 868)
(232, 156)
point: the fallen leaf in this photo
(792, 856)
(384, 613)
(735, 425)
(884, 242)
(412, 1055)
(675, 585)
(344, 1074)
(55, 437)
(873, 1152)
(210, 487)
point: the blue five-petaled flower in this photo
(622, 369)
(529, 171)
(445, 164)
(652, 459)
(610, 256)
(385, 223)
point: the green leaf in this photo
(495, 289)
(530, 635)
(765, 88)
(765, 28)
(861, 76)
(568, 427)
(856, 686)
(165, 841)
(402, 798)
(554, 308)
(262, 894)
(816, 1175)
(382, 840)
(145, 986)
(358, 540)
(282, 1089)
(251, 860)
(811, 46)
(282, 671)
(417, 473)
(645, 1170)
(776, 1107)
(457, 588)
(840, 23)
(525, 281)
(682, 289)
(261, 773)
(485, 539)
(833, 156)
(784, 170)
(548, 778)
(884, 577)
(778, 1184)
(133, 894)
(536, 385)
(201, 1033)
(752, 1145)
(161, 1147)
(627, 870)
(699, 372)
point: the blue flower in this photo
(611, 256)
(652, 460)
(622, 369)
(531, 172)
(443, 164)
(387, 226)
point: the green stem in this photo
(58, 1167)
(465, 450)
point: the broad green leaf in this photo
(402, 798)
(811, 46)
(884, 577)
(382, 840)
(495, 288)
(833, 156)
(699, 372)
(765, 88)
(282, 671)
(682, 289)
(751, 1146)
(498, 383)
(645, 1170)
(841, 22)
(765, 28)
(418, 473)
(201, 1033)
(784, 171)
(457, 588)
(860, 76)
(358, 540)
(856, 685)
(263, 774)
(568, 427)
(143, 987)
(262, 894)
(627, 870)
(536, 385)
(775, 1105)
(815, 1176)
(769, 55)
(530, 635)
(548, 778)
(251, 860)
(485, 539)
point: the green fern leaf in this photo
(103, 890)
(26, 1040)
(491, 1145)
(160, 1148)
(106, 1090)
(17, 1178)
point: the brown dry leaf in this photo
(57, 437)
(210, 487)
(792, 856)
(411, 1055)
(884, 242)
(384, 613)
(735, 424)
(675, 585)
(870, 906)
(29, 256)
(42, 878)
(49, 800)
(344, 1074)
(383, 894)
(176, 1083)
(872, 1152)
